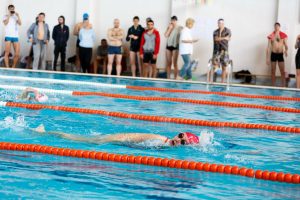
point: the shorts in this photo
(148, 58)
(11, 39)
(112, 50)
(221, 58)
(172, 48)
(277, 57)
(298, 60)
(135, 49)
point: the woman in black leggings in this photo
(297, 46)
(87, 39)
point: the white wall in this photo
(250, 21)
(102, 13)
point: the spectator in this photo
(149, 49)
(115, 36)
(60, 35)
(11, 21)
(87, 39)
(172, 34)
(186, 49)
(39, 36)
(297, 46)
(76, 30)
(134, 36)
(222, 37)
(277, 46)
(101, 57)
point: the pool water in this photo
(31, 175)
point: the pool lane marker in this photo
(151, 118)
(154, 161)
(141, 88)
(147, 98)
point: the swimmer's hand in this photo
(39, 129)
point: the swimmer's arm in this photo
(285, 46)
(297, 40)
(76, 30)
(109, 36)
(268, 56)
(6, 19)
(121, 36)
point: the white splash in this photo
(207, 141)
(10, 122)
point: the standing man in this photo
(11, 21)
(39, 36)
(172, 34)
(297, 46)
(277, 46)
(222, 37)
(60, 35)
(134, 36)
(76, 30)
(115, 36)
(149, 49)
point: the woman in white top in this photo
(186, 49)
(172, 34)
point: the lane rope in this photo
(154, 161)
(147, 98)
(142, 88)
(151, 118)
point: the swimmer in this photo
(39, 97)
(185, 138)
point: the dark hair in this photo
(277, 24)
(42, 14)
(150, 21)
(174, 18)
(103, 40)
(10, 6)
(221, 19)
(62, 18)
(136, 17)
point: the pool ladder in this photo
(212, 77)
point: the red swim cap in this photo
(192, 138)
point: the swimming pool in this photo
(32, 175)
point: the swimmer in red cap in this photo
(184, 138)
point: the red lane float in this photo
(251, 96)
(186, 121)
(154, 161)
(183, 100)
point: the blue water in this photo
(32, 175)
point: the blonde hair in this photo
(189, 21)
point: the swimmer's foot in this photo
(40, 129)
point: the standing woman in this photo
(172, 34)
(297, 46)
(87, 39)
(186, 49)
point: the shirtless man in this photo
(277, 46)
(115, 36)
(76, 30)
(12, 21)
(185, 138)
(297, 46)
(37, 96)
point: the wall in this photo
(101, 16)
(250, 21)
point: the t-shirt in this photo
(11, 29)
(173, 39)
(101, 51)
(222, 45)
(186, 48)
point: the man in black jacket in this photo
(60, 35)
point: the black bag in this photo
(243, 75)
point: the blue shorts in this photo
(114, 50)
(11, 39)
